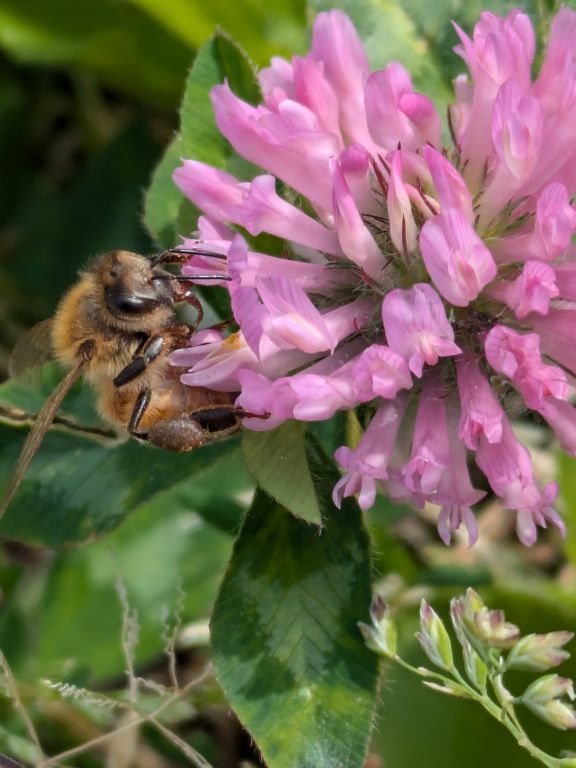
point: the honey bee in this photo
(116, 327)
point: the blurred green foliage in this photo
(89, 97)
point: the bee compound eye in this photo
(121, 303)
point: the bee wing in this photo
(33, 349)
(37, 432)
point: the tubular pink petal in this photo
(558, 64)
(369, 461)
(451, 518)
(355, 239)
(565, 278)
(214, 362)
(562, 418)
(555, 220)
(299, 157)
(481, 413)
(554, 225)
(501, 49)
(556, 332)
(416, 326)
(508, 467)
(277, 81)
(259, 395)
(455, 492)
(263, 210)
(380, 372)
(355, 166)
(249, 313)
(403, 229)
(430, 454)
(215, 192)
(396, 115)
(291, 320)
(349, 319)
(530, 292)
(451, 190)
(518, 357)
(314, 91)
(517, 125)
(319, 397)
(456, 258)
(312, 278)
(421, 112)
(336, 44)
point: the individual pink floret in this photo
(416, 326)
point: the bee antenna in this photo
(191, 278)
(175, 255)
(208, 277)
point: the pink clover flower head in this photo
(431, 284)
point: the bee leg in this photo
(140, 362)
(140, 406)
(180, 435)
(193, 430)
(186, 292)
(171, 338)
(223, 324)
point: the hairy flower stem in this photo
(503, 711)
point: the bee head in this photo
(131, 293)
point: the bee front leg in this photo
(140, 406)
(185, 292)
(170, 339)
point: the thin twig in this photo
(186, 749)
(170, 634)
(134, 724)
(130, 630)
(15, 695)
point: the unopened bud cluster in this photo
(482, 634)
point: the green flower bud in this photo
(542, 697)
(556, 713)
(382, 636)
(475, 668)
(482, 625)
(539, 652)
(493, 629)
(472, 601)
(547, 688)
(434, 638)
(457, 609)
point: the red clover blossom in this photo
(428, 281)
